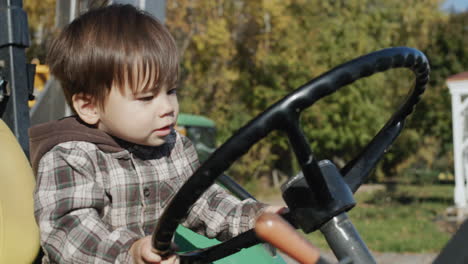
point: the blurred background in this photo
(240, 56)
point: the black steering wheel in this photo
(284, 115)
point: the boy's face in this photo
(143, 118)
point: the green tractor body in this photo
(202, 132)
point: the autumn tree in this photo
(238, 57)
(41, 21)
(448, 52)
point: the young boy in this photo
(105, 175)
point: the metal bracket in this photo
(4, 87)
(13, 26)
(5, 90)
(31, 68)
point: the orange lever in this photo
(273, 229)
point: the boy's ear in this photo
(86, 108)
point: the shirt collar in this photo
(150, 152)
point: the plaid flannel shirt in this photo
(92, 205)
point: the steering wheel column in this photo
(309, 210)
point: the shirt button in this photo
(146, 192)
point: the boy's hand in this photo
(142, 253)
(276, 209)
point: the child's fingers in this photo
(173, 259)
(283, 210)
(276, 209)
(151, 257)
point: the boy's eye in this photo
(146, 98)
(172, 91)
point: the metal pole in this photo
(345, 241)
(457, 123)
(14, 39)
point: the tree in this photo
(448, 52)
(238, 57)
(41, 21)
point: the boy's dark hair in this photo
(116, 45)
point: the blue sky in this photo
(459, 5)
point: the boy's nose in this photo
(166, 106)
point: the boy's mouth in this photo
(163, 131)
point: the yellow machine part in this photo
(19, 234)
(40, 79)
(182, 130)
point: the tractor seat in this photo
(19, 234)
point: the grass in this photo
(400, 220)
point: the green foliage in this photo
(41, 20)
(239, 57)
(448, 54)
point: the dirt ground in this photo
(380, 258)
